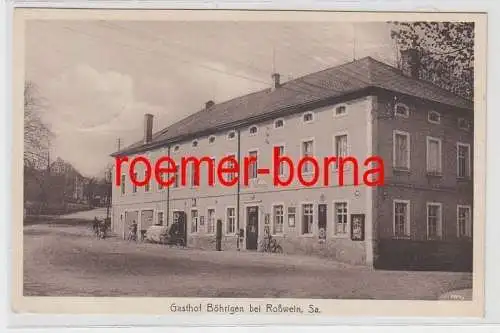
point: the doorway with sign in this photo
(252, 228)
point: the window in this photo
(176, 177)
(433, 220)
(253, 130)
(434, 117)
(194, 175)
(307, 218)
(291, 217)
(308, 117)
(211, 221)
(401, 150)
(231, 220)
(278, 219)
(401, 110)
(194, 221)
(175, 216)
(230, 175)
(279, 123)
(159, 220)
(231, 135)
(211, 139)
(463, 124)
(341, 222)
(433, 155)
(464, 225)
(176, 148)
(134, 187)
(340, 110)
(253, 165)
(401, 218)
(164, 177)
(122, 185)
(146, 187)
(194, 144)
(214, 170)
(340, 146)
(307, 150)
(282, 164)
(463, 160)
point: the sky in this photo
(98, 78)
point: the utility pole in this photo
(107, 181)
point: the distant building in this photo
(67, 180)
(423, 133)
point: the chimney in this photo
(276, 81)
(148, 128)
(209, 104)
(410, 63)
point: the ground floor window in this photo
(433, 220)
(291, 217)
(464, 225)
(401, 218)
(340, 211)
(307, 218)
(159, 220)
(231, 220)
(278, 219)
(194, 221)
(211, 221)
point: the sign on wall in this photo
(357, 227)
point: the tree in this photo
(445, 52)
(90, 189)
(37, 134)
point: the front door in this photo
(252, 229)
(130, 218)
(180, 219)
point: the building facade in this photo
(423, 135)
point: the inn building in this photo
(422, 215)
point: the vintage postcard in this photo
(248, 162)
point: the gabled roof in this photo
(327, 84)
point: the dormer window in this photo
(253, 130)
(211, 139)
(231, 135)
(340, 110)
(434, 117)
(194, 144)
(308, 117)
(463, 124)
(401, 110)
(279, 123)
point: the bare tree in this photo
(37, 135)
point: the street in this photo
(63, 258)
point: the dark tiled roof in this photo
(330, 83)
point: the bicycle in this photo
(271, 245)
